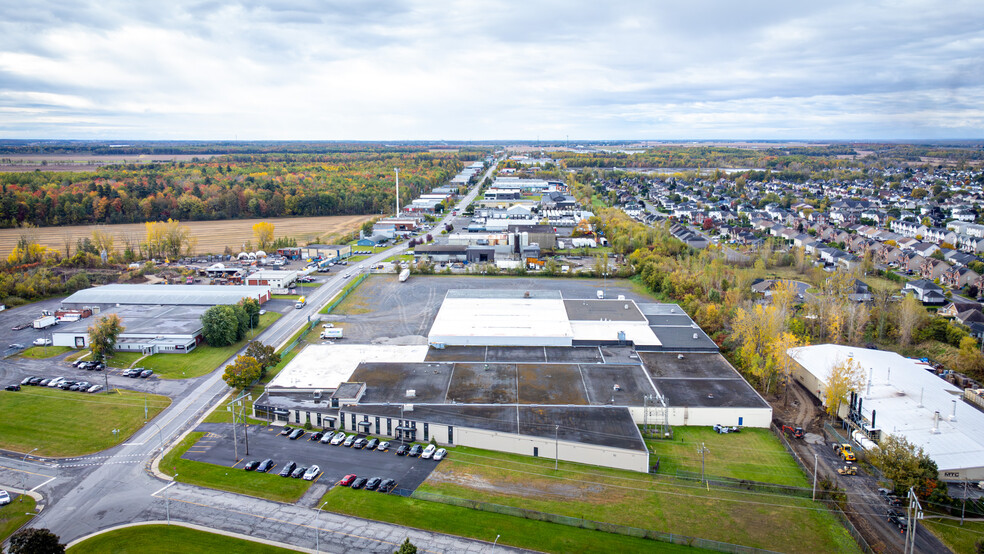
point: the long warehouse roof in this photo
(186, 295)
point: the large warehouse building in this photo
(901, 397)
(165, 295)
(524, 372)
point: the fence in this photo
(824, 497)
(344, 293)
(742, 484)
(586, 523)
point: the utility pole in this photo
(556, 447)
(703, 450)
(816, 462)
(964, 508)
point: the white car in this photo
(328, 326)
(337, 439)
(56, 381)
(440, 454)
(428, 452)
(42, 342)
(4, 498)
(311, 473)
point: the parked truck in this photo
(301, 302)
(45, 321)
(404, 275)
(335, 333)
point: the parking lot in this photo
(216, 447)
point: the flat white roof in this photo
(502, 317)
(325, 366)
(188, 295)
(638, 332)
(906, 396)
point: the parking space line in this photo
(237, 462)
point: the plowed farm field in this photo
(213, 236)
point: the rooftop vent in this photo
(695, 336)
(317, 394)
(679, 356)
(411, 393)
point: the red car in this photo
(347, 480)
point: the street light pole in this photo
(556, 447)
(816, 461)
(24, 476)
(494, 543)
(317, 529)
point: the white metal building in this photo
(176, 295)
(903, 398)
(275, 278)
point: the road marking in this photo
(237, 462)
(43, 484)
(24, 471)
(162, 489)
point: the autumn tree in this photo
(242, 372)
(908, 466)
(969, 357)
(756, 330)
(263, 231)
(909, 316)
(265, 355)
(168, 239)
(103, 240)
(844, 378)
(103, 334)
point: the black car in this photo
(371, 445)
(299, 472)
(286, 430)
(66, 385)
(296, 434)
(98, 366)
(359, 483)
(288, 469)
(387, 485)
(251, 465)
(899, 519)
(316, 436)
(265, 466)
(402, 450)
(12, 387)
(415, 450)
(373, 483)
(35, 381)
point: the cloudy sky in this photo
(485, 69)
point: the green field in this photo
(164, 539)
(67, 423)
(753, 454)
(15, 514)
(640, 500)
(512, 531)
(201, 360)
(285, 296)
(123, 359)
(233, 479)
(41, 352)
(958, 538)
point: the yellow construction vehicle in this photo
(845, 451)
(848, 470)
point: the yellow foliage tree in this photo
(169, 239)
(845, 377)
(756, 330)
(263, 231)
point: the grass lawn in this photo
(201, 360)
(124, 359)
(309, 285)
(640, 500)
(13, 515)
(753, 454)
(958, 538)
(400, 258)
(164, 539)
(233, 479)
(80, 354)
(91, 417)
(285, 296)
(40, 352)
(512, 531)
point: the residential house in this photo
(958, 277)
(925, 291)
(954, 308)
(932, 268)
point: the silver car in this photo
(338, 438)
(311, 473)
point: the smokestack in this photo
(859, 406)
(873, 419)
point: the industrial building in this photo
(527, 372)
(274, 278)
(326, 251)
(902, 396)
(147, 329)
(165, 295)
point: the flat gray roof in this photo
(197, 295)
(146, 320)
(603, 310)
(602, 425)
(661, 309)
(682, 339)
(691, 366)
(700, 380)
(389, 382)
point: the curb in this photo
(195, 527)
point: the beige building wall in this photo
(683, 416)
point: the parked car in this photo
(373, 483)
(326, 438)
(35, 381)
(383, 446)
(359, 483)
(98, 366)
(251, 465)
(287, 469)
(146, 373)
(402, 450)
(372, 444)
(56, 381)
(387, 485)
(44, 382)
(12, 388)
(347, 480)
(94, 388)
(311, 473)
(359, 444)
(415, 450)
(265, 466)
(338, 438)
(4, 498)
(26, 380)
(17, 346)
(428, 452)
(296, 434)
(299, 472)
(42, 342)
(79, 363)
(286, 430)
(440, 454)
(349, 440)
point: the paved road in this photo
(116, 487)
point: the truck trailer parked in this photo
(44, 322)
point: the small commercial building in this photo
(147, 329)
(326, 251)
(274, 278)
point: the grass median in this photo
(227, 478)
(164, 539)
(959, 538)
(68, 423)
(640, 500)
(42, 352)
(464, 522)
(201, 360)
(14, 515)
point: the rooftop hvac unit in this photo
(408, 407)
(411, 393)
(679, 356)
(317, 394)
(695, 336)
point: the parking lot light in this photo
(317, 529)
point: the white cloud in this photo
(491, 70)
